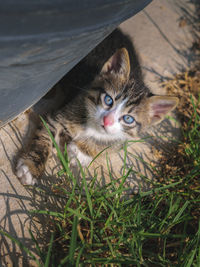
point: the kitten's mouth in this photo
(104, 129)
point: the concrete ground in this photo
(162, 34)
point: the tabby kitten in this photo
(113, 108)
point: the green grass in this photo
(98, 227)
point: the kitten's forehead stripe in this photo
(132, 103)
(126, 89)
(125, 97)
(135, 100)
(111, 84)
(118, 96)
(131, 109)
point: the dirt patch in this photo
(183, 158)
(186, 87)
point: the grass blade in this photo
(73, 240)
(47, 261)
(48, 212)
(79, 215)
(98, 155)
(86, 189)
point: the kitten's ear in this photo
(160, 106)
(118, 64)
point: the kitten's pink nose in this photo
(108, 120)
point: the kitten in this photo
(114, 107)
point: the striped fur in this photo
(87, 124)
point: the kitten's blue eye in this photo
(128, 119)
(108, 100)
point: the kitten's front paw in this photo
(24, 174)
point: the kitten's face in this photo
(110, 115)
(118, 108)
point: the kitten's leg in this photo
(32, 163)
